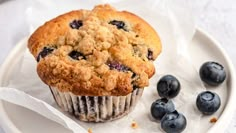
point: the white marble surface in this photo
(217, 17)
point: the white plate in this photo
(203, 48)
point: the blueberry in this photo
(160, 107)
(208, 102)
(76, 24)
(168, 86)
(173, 122)
(44, 53)
(118, 24)
(135, 87)
(212, 73)
(118, 66)
(76, 55)
(133, 75)
(150, 54)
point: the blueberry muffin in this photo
(96, 62)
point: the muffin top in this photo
(101, 52)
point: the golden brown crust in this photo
(101, 45)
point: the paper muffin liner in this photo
(96, 108)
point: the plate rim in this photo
(224, 120)
(6, 124)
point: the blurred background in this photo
(217, 17)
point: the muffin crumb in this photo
(90, 130)
(134, 125)
(213, 120)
